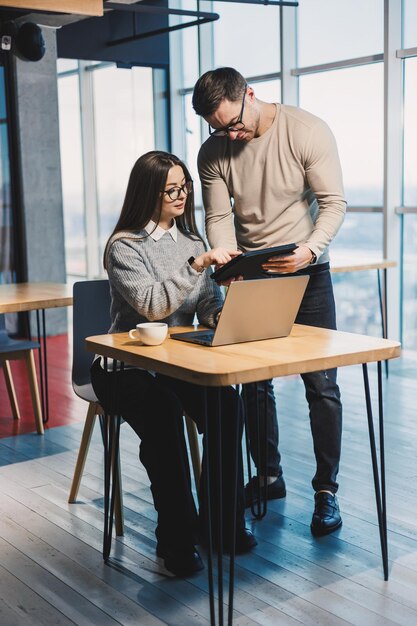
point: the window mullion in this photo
(90, 173)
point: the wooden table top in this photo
(307, 349)
(340, 264)
(30, 296)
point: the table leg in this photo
(208, 512)
(210, 441)
(382, 293)
(43, 364)
(379, 478)
(258, 508)
(111, 477)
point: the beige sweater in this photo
(286, 186)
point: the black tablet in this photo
(249, 264)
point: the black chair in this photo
(15, 349)
(91, 316)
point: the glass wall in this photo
(357, 123)
(106, 123)
(72, 174)
(7, 267)
(335, 30)
(123, 130)
(410, 132)
(246, 37)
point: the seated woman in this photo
(159, 270)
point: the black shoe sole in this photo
(181, 572)
(321, 532)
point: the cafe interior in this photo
(86, 87)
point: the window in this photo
(104, 127)
(333, 30)
(247, 38)
(351, 102)
(124, 129)
(410, 133)
(410, 24)
(72, 175)
(410, 283)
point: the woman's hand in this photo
(216, 256)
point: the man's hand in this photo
(288, 264)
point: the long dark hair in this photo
(143, 195)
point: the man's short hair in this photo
(224, 83)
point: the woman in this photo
(159, 270)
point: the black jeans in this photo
(154, 407)
(322, 393)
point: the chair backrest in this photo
(91, 316)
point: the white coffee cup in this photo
(150, 333)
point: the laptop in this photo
(254, 310)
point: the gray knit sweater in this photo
(152, 281)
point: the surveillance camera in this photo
(6, 42)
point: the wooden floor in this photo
(51, 570)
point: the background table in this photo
(342, 265)
(16, 298)
(307, 349)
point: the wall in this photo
(38, 145)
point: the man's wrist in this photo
(313, 257)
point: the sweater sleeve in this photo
(324, 176)
(152, 299)
(217, 205)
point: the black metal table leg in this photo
(379, 479)
(111, 438)
(260, 510)
(382, 294)
(208, 511)
(43, 364)
(234, 509)
(216, 453)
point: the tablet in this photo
(249, 264)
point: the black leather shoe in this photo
(182, 562)
(275, 490)
(245, 541)
(326, 517)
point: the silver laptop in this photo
(254, 310)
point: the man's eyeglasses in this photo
(175, 192)
(232, 128)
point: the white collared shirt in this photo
(156, 232)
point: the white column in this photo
(393, 157)
(288, 47)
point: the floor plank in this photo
(52, 571)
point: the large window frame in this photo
(84, 71)
(392, 57)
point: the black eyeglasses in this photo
(175, 192)
(232, 128)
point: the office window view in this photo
(338, 77)
(106, 122)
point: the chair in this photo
(14, 349)
(91, 316)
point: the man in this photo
(271, 175)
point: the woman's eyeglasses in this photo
(175, 192)
(232, 128)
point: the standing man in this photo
(271, 175)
